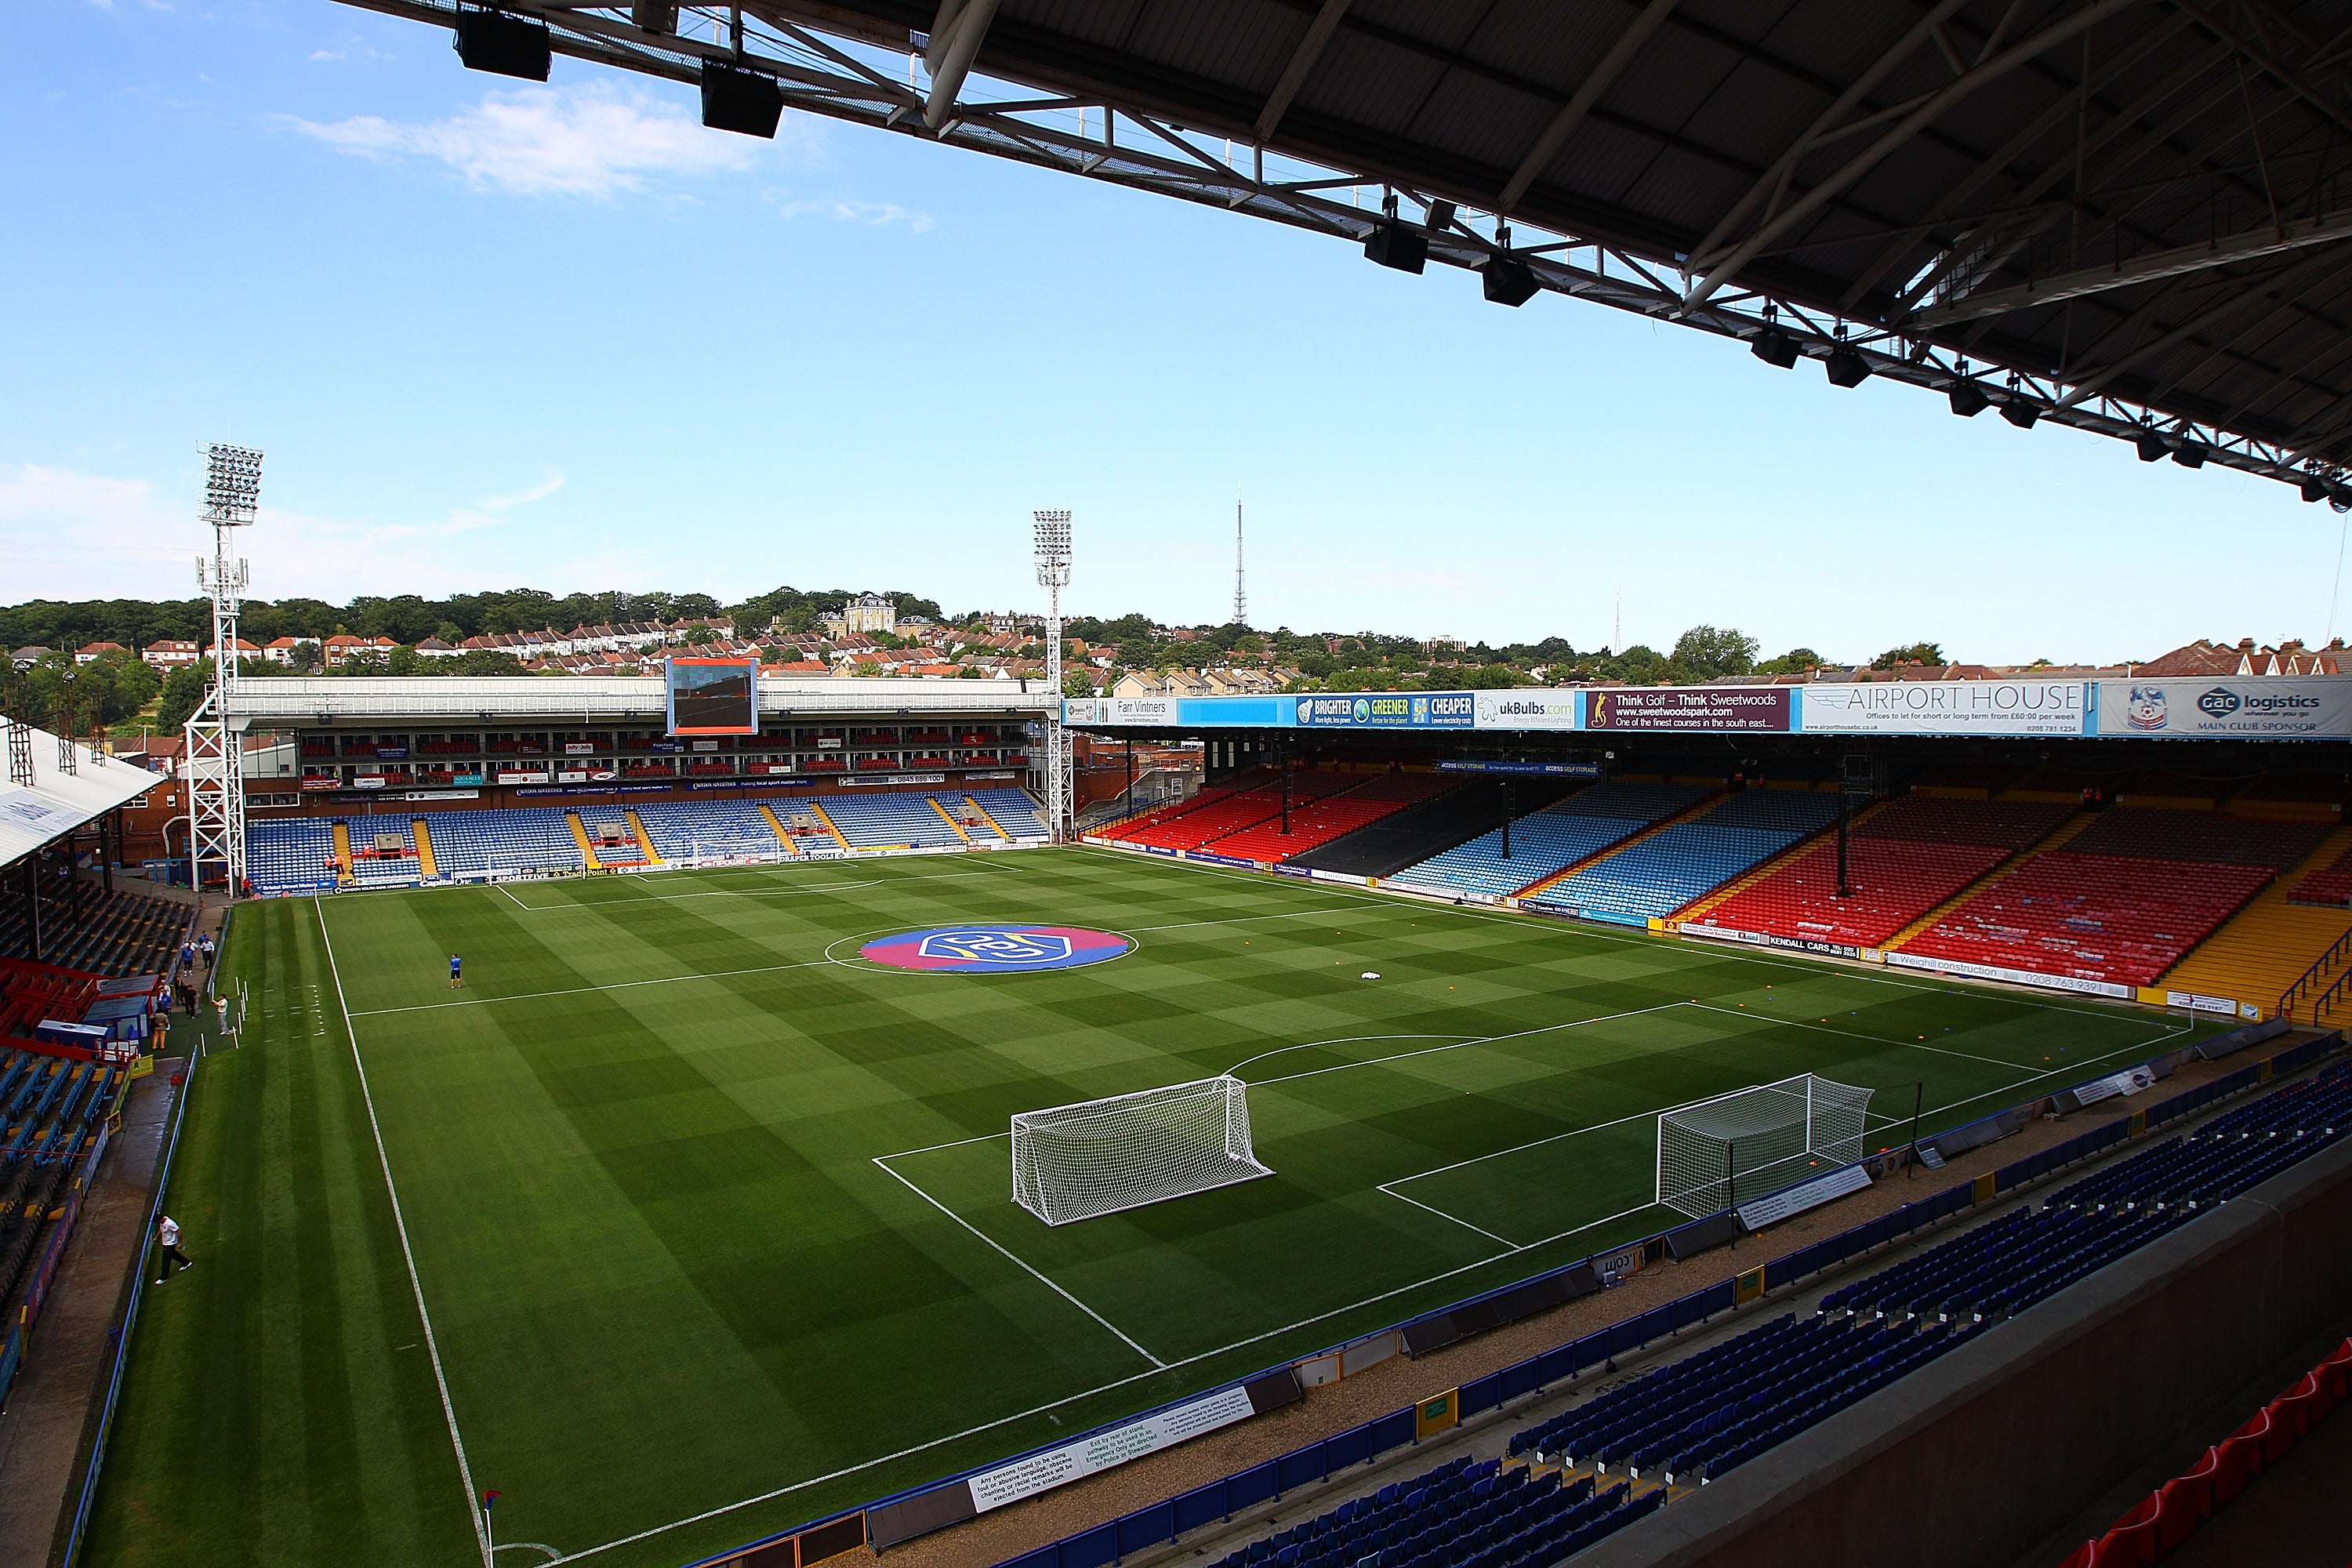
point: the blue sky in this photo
(491, 335)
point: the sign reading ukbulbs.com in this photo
(2315, 706)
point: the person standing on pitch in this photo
(167, 1249)
(454, 980)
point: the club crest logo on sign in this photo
(994, 949)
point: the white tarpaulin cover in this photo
(58, 802)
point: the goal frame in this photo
(1240, 1161)
(1832, 1148)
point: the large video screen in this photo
(714, 696)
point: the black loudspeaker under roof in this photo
(745, 102)
(1968, 399)
(2020, 412)
(1508, 280)
(1774, 347)
(507, 46)
(2151, 446)
(1845, 368)
(1397, 245)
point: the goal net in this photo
(1718, 1153)
(1097, 1157)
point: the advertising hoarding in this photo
(1387, 710)
(1714, 708)
(1530, 709)
(1948, 707)
(2315, 707)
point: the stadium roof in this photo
(58, 802)
(295, 701)
(2121, 214)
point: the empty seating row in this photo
(1015, 813)
(1317, 822)
(2332, 884)
(1214, 813)
(1559, 835)
(85, 927)
(688, 830)
(2154, 833)
(891, 821)
(2094, 917)
(1478, 1515)
(1934, 820)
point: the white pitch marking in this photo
(1033, 1273)
(432, 1347)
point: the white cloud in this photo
(65, 534)
(878, 215)
(594, 140)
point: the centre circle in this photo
(996, 949)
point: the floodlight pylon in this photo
(214, 753)
(1053, 555)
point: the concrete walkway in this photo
(49, 1412)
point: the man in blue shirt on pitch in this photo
(453, 972)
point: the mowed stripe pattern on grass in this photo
(638, 1159)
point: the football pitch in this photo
(681, 1223)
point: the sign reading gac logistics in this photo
(1689, 708)
(2316, 707)
(1387, 711)
(1949, 707)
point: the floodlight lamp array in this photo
(232, 485)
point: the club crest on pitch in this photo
(996, 949)
(998, 944)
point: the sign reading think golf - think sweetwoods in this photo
(1103, 1450)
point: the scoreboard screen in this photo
(714, 696)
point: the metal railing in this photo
(2311, 976)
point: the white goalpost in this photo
(1713, 1153)
(1100, 1156)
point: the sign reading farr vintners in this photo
(1689, 708)
(1949, 707)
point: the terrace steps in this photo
(344, 876)
(580, 836)
(644, 839)
(1699, 907)
(946, 817)
(776, 826)
(2266, 946)
(995, 826)
(1704, 804)
(424, 836)
(2055, 839)
(831, 826)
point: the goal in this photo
(1100, 1156)
(1716, 1153)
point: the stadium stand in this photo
(1902, 860)
(2126, 896)
(2331, 884)
(1422, 832)
(1321, 820)
(890, 822)
(1697, 1418)
(289, 854)
(1546, 842)
(1663, 872)
(2270, 944)
(1199, 822)
(2093, 917)
(49, 1110)
(1013, 813)
(98, 933)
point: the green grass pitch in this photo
(711, 1228)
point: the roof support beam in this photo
(1302, 60)
(1918, 120)
(2267, 240)
(955, 39)
(2257, 291)
(1588, 92)
(1774, 181)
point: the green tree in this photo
(1708, 653)
(1077, 683)
(1796, 661)
(1914, 653)
(182, 694)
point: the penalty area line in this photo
(1010, 1257)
